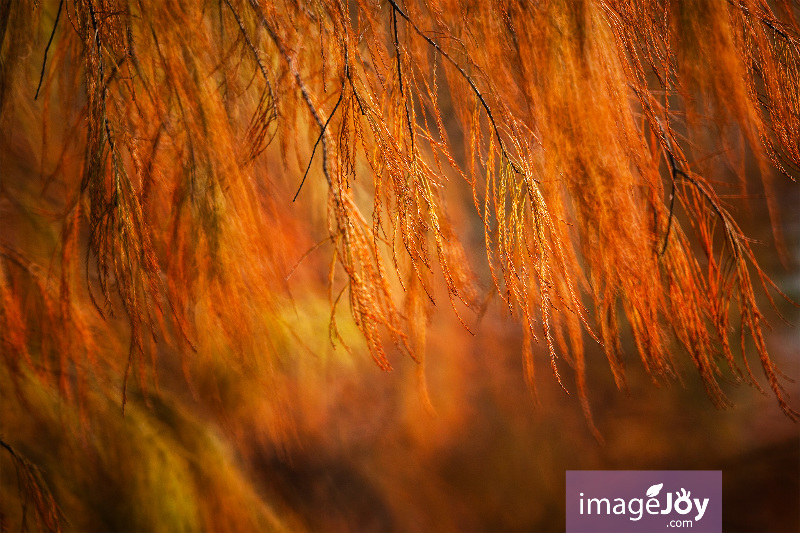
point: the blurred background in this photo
(321, 439)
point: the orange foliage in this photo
(154, 174)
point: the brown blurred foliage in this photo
(199, 201)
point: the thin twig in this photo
(321, 134)
(47, 48)
(673, 171)
(309, 252)
(400, 80)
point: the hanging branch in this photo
(33, 488)
(469, 80)
(400, 81)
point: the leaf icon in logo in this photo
(653, 491)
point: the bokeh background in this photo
(314, 436)
(330, 442)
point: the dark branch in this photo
(673, 172)
(400, 80)
(321, 134)
(47, 48)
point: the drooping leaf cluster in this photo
(180, 144)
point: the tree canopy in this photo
(174, 174)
